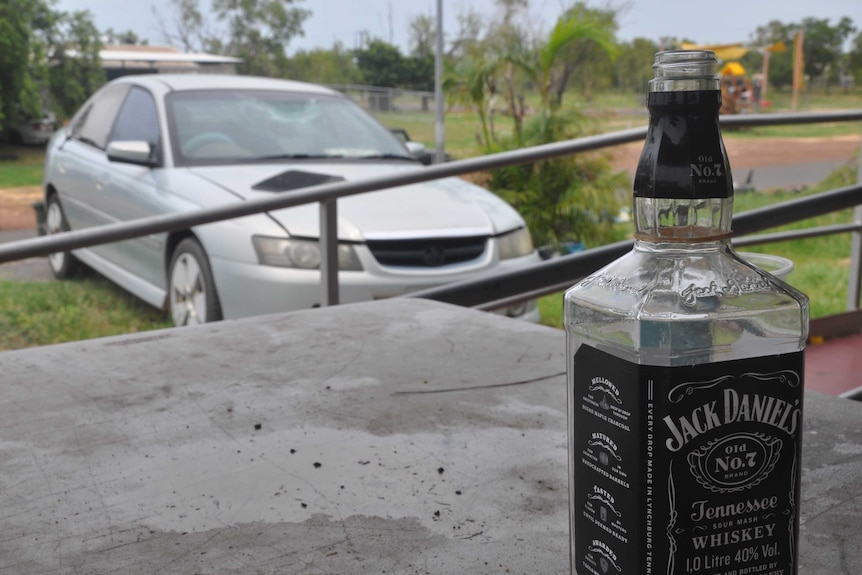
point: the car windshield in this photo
(241, 126)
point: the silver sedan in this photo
(161, 144)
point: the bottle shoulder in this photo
(684, 284)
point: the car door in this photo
(81, 166)
(132, 191)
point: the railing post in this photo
(854, 284)
(329, 252)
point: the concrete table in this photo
(391, 437)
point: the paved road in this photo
(790, 176)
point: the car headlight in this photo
(515, 244)
(302, 254)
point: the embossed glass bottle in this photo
(685, 369)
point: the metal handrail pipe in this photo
(567, 269)
(798, 209)
(737, 242)
(788, 118)
(157, 224)
(558, 271)
(817, 232)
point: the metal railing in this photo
(499, 289)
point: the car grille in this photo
(427, 252)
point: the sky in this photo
(715, 22)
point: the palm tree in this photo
(540, 64)
(470, 82)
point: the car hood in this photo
(440, 208)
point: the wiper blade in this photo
(387, 157)
(297, 157)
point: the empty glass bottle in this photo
(685, 369)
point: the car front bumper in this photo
(246, 289)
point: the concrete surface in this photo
(390, 437)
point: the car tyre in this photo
(192, 295)
(63, 264)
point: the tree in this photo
(333, 66)
(589, 59)
(423, 36)
(259, 32)
(419, 65)
(22, 64)
(468, 37)
(634, 64)
(562, 199)
(75, 71)
(823, 46)
(544, 67)
(854, 59)
(46, 57)
(190, 31)
(380, 64)
(780, 63)
(128, 38)
(470, 82)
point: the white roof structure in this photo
(133, 59)
(128, 56)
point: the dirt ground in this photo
(16, 211)
(747, 153)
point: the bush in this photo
(566, 199)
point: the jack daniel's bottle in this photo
(685, 369)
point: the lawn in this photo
(44, 313)
(20, 165)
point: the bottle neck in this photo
(683, 187)
(683, 221)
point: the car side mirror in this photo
(415, 148)
(139, 153)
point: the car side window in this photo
(95, 125)
(138, 119)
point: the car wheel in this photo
(63, 264)
(191, 289)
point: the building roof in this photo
(129, 56)
(158, 54)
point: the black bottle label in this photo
(683, 156)
(686, 470)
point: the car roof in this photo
(182, 82)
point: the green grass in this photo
(37, 314)
(20, 165)
(821, 265)
(815, 100)
(797, 131)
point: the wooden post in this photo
(798, 68)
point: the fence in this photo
(504, 289)
(375, 99)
